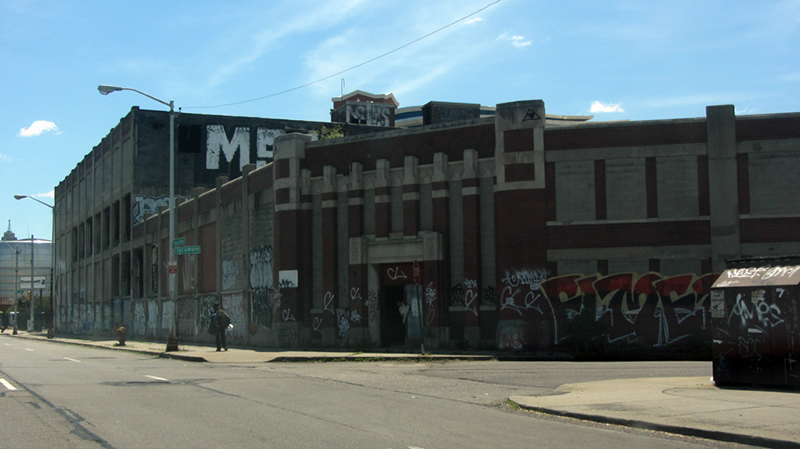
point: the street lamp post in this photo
(52, 253)
(105, 90)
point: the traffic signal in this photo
(29, 295)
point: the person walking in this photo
(220, 320)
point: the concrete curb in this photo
(328, 357)
(728, 437)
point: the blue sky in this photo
(622, 60)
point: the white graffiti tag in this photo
(471, 296)
(395, 273)
(430, 300)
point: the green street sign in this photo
(187, 250)
(179, 242)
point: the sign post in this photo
(417, 280)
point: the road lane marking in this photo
(72, 360)
(7, 385)
(29, 349)
(158, 378)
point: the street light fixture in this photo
(52, 256)
(105, 89)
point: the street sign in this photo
(39, 282)
(187, 250)
(173, 267)
(179, 242)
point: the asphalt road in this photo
(64, 396)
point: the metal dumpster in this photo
(755, 323)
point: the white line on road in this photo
(72, 360)
(29, 349)
(7, 385)
(158, 378)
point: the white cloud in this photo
(51, 194)
(260, 43)
(608, 107)
(745, 111)
(38, 128)
(3, 157)
(404, 66)
(516, 40)
(475, 20)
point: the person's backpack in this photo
(223, 319)
(213, 327)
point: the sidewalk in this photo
(691, 406)
(208, 353)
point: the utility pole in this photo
(30, 322)
(16, 285)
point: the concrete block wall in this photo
(625, 192)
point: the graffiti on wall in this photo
(234, 305)
(206, 304)
(395, 273)
(430, 303)
(187, 318)
(143, 204)
(344, 327)
(521, 290)
(139, 327)
(374, 305)
(261, 312)
(264, 300)
(488, 295)
(188, 280)
(287, 337)
(230, 270)
(148, 204)
(649, 308)
(368, 113)
(107, 317)
(261, 267)
(219, 147)
(471, 295)
(751, 337)
(511, 335)
(152, 318)
(98, 317)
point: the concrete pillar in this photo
(723, 189)
(440, 199)
(471, 199)
(292, 221)
(520, 208)
(357, 263)
(411, 197)
(330, 251)
(383, 199)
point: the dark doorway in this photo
(393, 332)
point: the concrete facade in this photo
(491, 232)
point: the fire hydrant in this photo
(121, 334)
